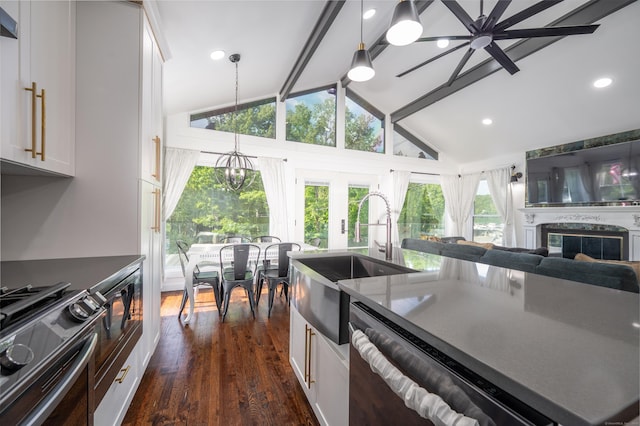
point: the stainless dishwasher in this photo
(423, 378)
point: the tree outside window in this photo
(487, 222)
(207, 208)
(311, 117)
(255, 119)
(423, 212)
(364, 131)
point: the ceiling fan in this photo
(485, 30)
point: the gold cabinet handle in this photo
(308, 332)
(124, 373)
(34, 112)
(156, 174)
(156, 211)
(43, 126)
(306, 354)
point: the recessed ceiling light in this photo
(217, 54)
(443, 42)
(602, 82)
(368, 14)
(487, 121)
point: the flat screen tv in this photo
(597, 175)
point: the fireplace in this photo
(605, 232)
(598, 241)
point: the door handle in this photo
(343, 226)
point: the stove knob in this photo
(16, 356)
(77, 312)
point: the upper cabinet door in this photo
(42, 92)
(152, 137)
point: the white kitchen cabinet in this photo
(151, 148)
(38, 125)
(151, 240)
(115, 402)
(322, 368)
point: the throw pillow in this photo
(431, 238)
(634, 265)
(487, 246)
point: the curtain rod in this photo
(248, 156)
(420, 173)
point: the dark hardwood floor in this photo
(214, 373)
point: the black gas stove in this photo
(47, 338)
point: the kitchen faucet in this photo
(387, 247)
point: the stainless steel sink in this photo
(315, 293)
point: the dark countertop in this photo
(84, 273)
(567, 349)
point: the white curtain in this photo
(459, 193)
(400, 185)
(498, 181)
(275, 189)
(178, 165)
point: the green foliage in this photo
(423, 211)
(259, 120)
(314, 125)
(359, 134)
(205, 205)
(316, 213)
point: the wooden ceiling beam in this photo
(588, 13)
(325, 20)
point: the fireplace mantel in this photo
(625, 216)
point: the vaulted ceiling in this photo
(285, 49)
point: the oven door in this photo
(64, 394)
(118, 331)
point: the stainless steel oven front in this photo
(120, 327)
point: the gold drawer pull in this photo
(156, 173)
(124, 373)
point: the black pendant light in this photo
(361, 65)
(405, 25)
(234, 169)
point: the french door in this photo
(326, 207)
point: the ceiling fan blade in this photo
(502, 58)
(450, 38)
(545, 32)
(461, 65)
(402, 74)
(495, 14)
(525, 14)
(462, 16)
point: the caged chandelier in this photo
(234, 169)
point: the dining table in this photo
(209, 255)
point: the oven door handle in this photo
(46, 407)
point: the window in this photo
(364, 125)
(406, 144)
(207, 212)
(423, 211)
(254, 118)
(487, 223)
(311, 117)
(316, 214)
(357, 193)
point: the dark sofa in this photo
(620, 277)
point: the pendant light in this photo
(234, 169)
(361, 66)
(405, 25)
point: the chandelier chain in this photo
(235, 113)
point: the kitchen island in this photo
(568, 350)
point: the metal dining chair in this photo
(238, 263)
(200, 277)
(279, 274)
(236, 239)
(267, 239)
